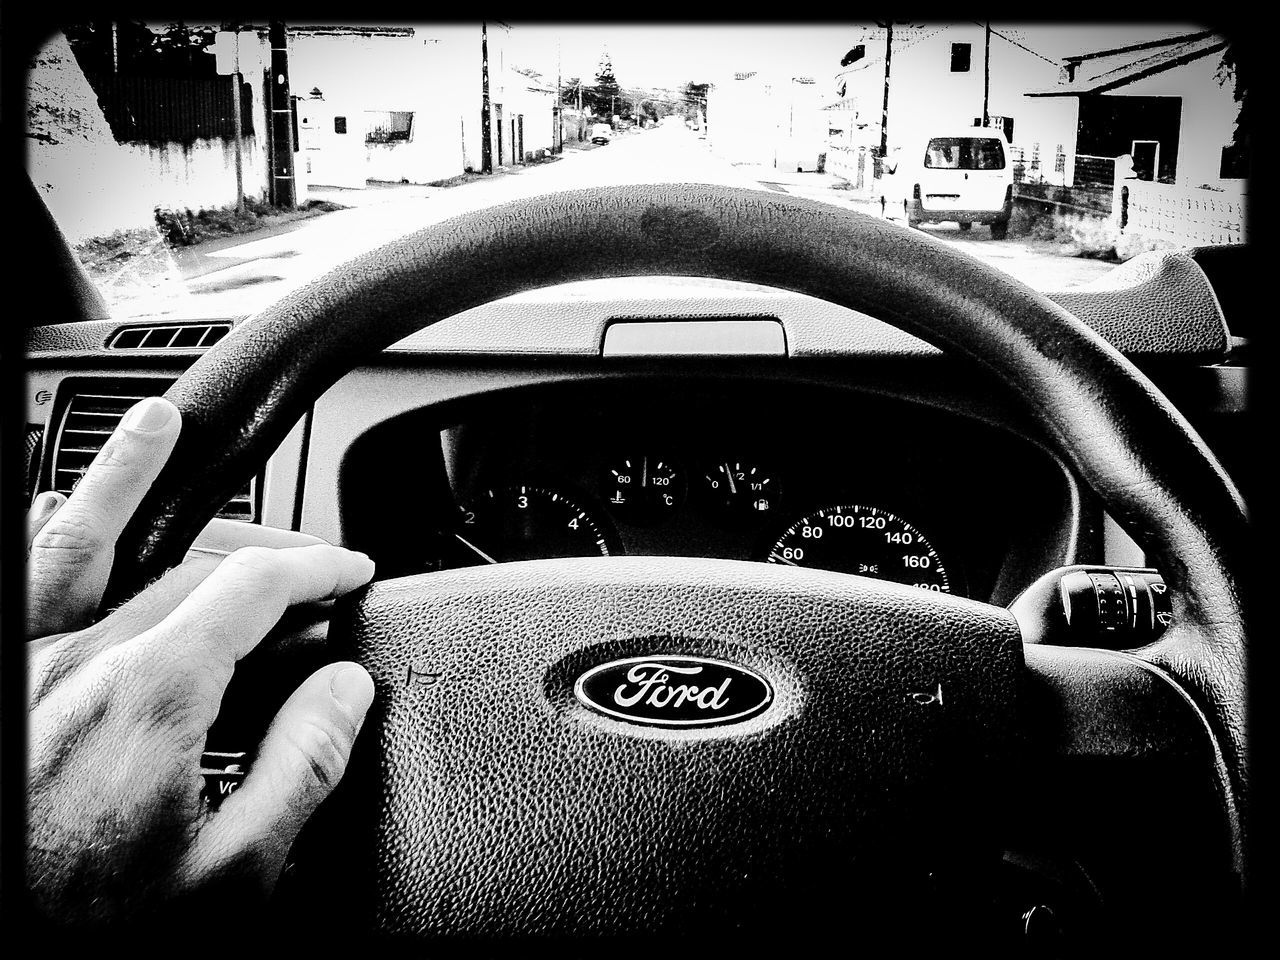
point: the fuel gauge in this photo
(739, 491)
(644, 489)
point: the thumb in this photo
(300, 761)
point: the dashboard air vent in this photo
(87, 421)
(174, 336)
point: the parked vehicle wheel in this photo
(965, 226)
(999, 229)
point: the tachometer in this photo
(524, 522)
(865, 540)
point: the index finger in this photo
(71, 554)
(235, 606)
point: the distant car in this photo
(964, 177)
(600, 133)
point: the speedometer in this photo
(864, 540)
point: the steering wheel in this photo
(500, 800)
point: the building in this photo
(940, 77)
(1161, 102)
(121, 136)
(768, 120)
(403, 104)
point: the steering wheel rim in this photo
(1111, 423)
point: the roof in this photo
(350, 30)
(1107, 70)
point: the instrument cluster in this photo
(814, 478)
(527, 521)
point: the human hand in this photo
(120, 705)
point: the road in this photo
(242, 274)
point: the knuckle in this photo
(323, 750)
(114, 454)
(156, 691)
(257, 569)
(76, 538)
(57, 660)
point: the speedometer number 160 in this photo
(862, 540)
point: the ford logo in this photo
(674, 691)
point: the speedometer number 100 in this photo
(862, 540)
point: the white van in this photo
(964, 177)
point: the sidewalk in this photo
(766, 174)
(372, 195)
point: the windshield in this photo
(964, 153)
(205, 169)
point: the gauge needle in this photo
(792, 563)
(733, 487)
(474, 549)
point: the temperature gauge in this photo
(644, 489)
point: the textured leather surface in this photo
(89, 338)
(1122, 436)
(1156, 305)
(506, 807)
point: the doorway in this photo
(1146, 158)
(497, 110)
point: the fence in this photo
(171, 110)
(1187, 216)
(852, 163)
(1079, 181)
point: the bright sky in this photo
(669, 54)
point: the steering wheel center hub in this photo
(574, 755)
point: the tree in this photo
(1236, 68)
(605, 96)
(569, 92)
(131, 48)
(695, 98)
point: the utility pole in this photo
(557, 132)
(236, 121)
(286, 195)
(986, 78)
(486, 148)
(884, 110)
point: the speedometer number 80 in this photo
(863, 540)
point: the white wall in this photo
(201, 175)
(742, 119)
(1208, 117)
(95, 186)
(767, 120)
(925, 95)
(428, 74)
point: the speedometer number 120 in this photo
(863, 540)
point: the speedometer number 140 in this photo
(862, 540)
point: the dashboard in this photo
(665, 416)
(789, 474)
(787, 432)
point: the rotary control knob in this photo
(1116, 607)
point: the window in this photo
(339, 124)
(960, 53)
(964, 153)
(1235, 162)
(389, 127)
